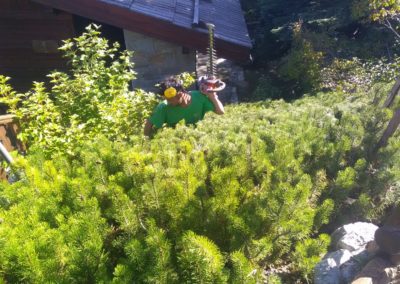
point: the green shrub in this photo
(357, 75)
(266, 90)
(210, 203)
(93, 98)
(261, 180)
(243, 271)
(308, 253)
(303, 64)
(385, 11)
(273, 279)
(200, 260)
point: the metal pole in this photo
(6, 155)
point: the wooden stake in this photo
(393, 93)
(391, 128)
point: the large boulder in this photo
(353, 236)
(377, 271)
(342, 265)
(388, 236)
(354, 265)
(327, 271)
(388, 239)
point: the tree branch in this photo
(388, 24)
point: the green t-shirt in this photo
(171, 115)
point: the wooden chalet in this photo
(165, 35)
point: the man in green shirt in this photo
(182, 105)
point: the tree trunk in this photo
(391, 128)
(393, 93)
(395, 121)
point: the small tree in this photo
(303, 64)
(386, 12)
(93, 98)
(200, 260)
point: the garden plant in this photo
(218, 202)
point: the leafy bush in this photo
(242, 270)
(92, 99)
(384, 11)
(266, 90)
(358, 75)
(309, 252)
(211, 203)
(200, 260)
(303, 64)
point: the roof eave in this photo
(124, 18)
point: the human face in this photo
(177, 100)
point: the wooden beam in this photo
(196, 12)
(393, 93)
(395, 120)
(390, 129)
(7, 118)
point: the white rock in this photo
(327, 271)
(353, 236)
(363, 280)
(354, 265)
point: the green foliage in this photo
(200, 260)
(309, 252)
(345, 75)
(273, 279)
(209, 203)
(360, 9)
(188, 79)
(52, 234)
(303, 64)
(376, 10)
(357, 75)
(386, 12)
(243, 271)
(352, 55)
(92, 99)
(266, 90)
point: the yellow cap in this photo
(170, 93)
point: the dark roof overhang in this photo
(121, 16)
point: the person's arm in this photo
(219, 107)
(148, 128)
(213, 97)
(156, 120)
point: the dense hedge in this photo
(205, 204)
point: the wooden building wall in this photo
(8, 137)
(29, 36)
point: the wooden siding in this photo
(8, 133)
(29, 34)
(169, 20)
(8, 136)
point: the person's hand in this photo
(207, 91)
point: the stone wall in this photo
(155, 59)
(229, 72)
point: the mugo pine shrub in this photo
(212, 203)
(207, 204)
